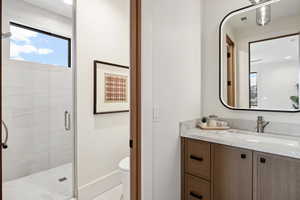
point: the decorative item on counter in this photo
(222, 124)
(212, 123)
(212, 120)
(203, 122)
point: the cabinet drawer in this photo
(197, 158)
(196, 188)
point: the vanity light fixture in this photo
(263, 14)
(69, 2)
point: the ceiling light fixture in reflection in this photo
(263, 14)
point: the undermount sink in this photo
(261, 137)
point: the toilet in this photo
(124, 167)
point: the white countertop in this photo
(267, 143)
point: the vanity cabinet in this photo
(218, 172)
(276, 177)
(232, 172)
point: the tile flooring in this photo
(113, 194)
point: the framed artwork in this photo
(111, 88)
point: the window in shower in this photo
(33, 45)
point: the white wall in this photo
(102, 34)
(35, 97)
(171, 59)
(214, 13)
(176, 62)
(147, 99)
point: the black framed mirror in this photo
(259, 57)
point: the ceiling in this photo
(276, 50)
(284, 8)
(56, 6)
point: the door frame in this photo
(135, 96)
(231, 96)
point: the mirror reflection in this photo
(260, 60)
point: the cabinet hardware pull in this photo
(262, 160)
(196, 158)
(193, 194)
(243, 156)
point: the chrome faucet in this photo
(261, 124)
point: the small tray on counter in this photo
(213, 128)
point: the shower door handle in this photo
(4, 144)
(67, 121)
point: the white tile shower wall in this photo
(214, 13)
(34, 112)
(35, 97)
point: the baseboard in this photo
(99, 186)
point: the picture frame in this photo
(111, 88)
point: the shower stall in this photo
(37, 100)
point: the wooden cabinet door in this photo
(276, 177)
(232, 173)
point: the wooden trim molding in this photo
(135, 106)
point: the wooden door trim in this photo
(135, 106)
(230, 42)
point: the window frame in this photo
(49, 34)
(250, 89)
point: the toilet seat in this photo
(124, 165)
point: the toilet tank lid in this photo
(125, 164)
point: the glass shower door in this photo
(37, 100)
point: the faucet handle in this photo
(260, 118)
(266, 124)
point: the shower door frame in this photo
(72, 60)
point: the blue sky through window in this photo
(29, 45)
